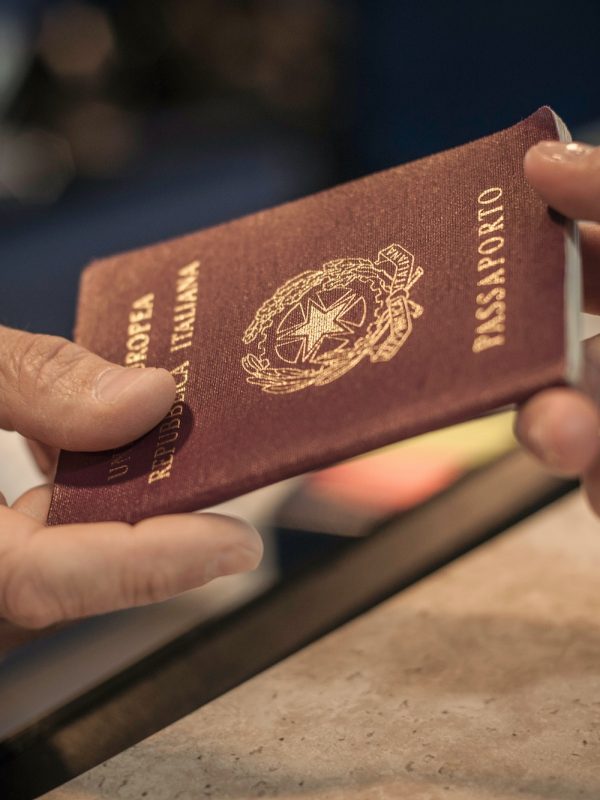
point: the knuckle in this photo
(142, 578)
(150, 587)
(43, 361)
(23, 602)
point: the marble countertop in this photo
(481, 682)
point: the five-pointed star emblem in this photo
(321, 321)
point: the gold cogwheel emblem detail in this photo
(321, 323)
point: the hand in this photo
(561, 426)
(56, 393)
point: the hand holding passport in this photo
(561, 426)
(57, 391)
(300, 336)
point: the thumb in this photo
(567, 176)
(58, 393)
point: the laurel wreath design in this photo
(392, 315)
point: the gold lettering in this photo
(493, 277)
(167, 438)
(491, 245)
(489, 195)
(163, 463)
(186, 283)
(485, 212)
(135, 359)
(488, 263)
(190, 296)
(139, 342)
(138, 316)
(170, 425)
(491, 227)
(187, 325)
(191, 270)
(118, 472)
(146, 303)
(495, 325)
(181, 369)
(184, 318)
(495, 309)
(493, 294)
(176, 410)
(169, 429)
(490, 311)
(484, 342)
(182, 382)
(178, 337)
(138, 331)
(159, 474)
(118, 466)
(135, 327)
(182, 333)
(184, 307)
(162, 451)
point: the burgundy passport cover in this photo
(408, 300)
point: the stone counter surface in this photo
(481, 682)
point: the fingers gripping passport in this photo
(357, 317)
(59, 393)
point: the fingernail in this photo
(562, 152)
(231, 562)
(114, 381)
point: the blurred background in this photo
(126, 121)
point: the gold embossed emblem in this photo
(321, 323)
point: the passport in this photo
(419, 297)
